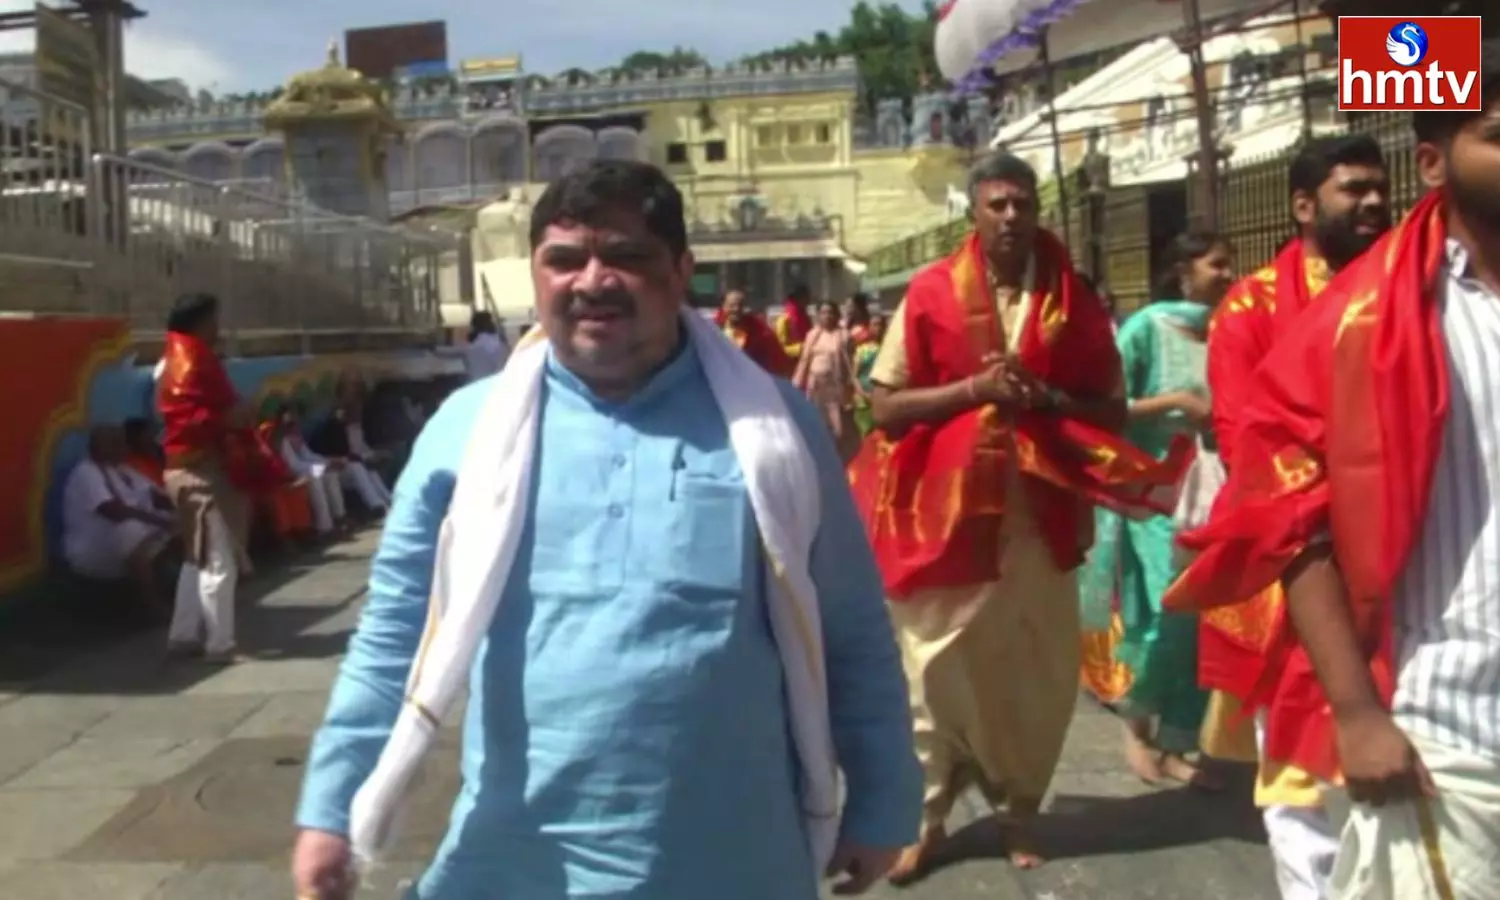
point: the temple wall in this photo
(78, 372)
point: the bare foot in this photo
(915, 861)
(1177, 768)
(1144, 760)
(1020, 848)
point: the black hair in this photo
(1182, 251)
(1440, 127)
(1316, 159)
(97, 434)
(191, 312)
(591, 193)
(481, 322)
(1001, 166)
(800, 292)
(137, 429)
(860, 303)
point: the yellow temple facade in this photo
(786, 182)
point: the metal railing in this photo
(44, 159)
(104, 235)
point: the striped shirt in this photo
(1448, 600)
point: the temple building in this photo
(1127, 141)
(787, 182)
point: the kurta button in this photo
(616, 511)
(618, 460)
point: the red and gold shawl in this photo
(933, 499)
(752, 335)
(1340, 435)
(1233, 639)
(194, 396)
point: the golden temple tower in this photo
(335, 124)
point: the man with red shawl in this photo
(997, 400)
(1340, 201)
(750, 333)
(212, 461)
(1366, 480)
(793, 325)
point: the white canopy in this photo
(976, 37)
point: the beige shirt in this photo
(890, 366)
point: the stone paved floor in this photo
(124, 779)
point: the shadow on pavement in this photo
(70, 644)
(1078, 826)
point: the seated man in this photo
(386, 423)
(342, 438)
(116, 524)
(322, 475)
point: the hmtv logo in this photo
(1426, 63)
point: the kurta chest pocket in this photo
(706, 519)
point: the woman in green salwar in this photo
(1163, 349)
(865, 351)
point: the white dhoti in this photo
(110, 553)
(367, 485)
(325, 496)
(992, 671)
(1447, 848)
(212, 517)
(1303, 842)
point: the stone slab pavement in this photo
(122, 778)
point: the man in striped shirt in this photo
(1367, 479)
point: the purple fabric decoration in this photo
(1025, 35)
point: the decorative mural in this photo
(57, 360)
(80, 372)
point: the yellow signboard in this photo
(489, 68)
(67, 59)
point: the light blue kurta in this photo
(627, 733)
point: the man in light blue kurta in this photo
(627, 732)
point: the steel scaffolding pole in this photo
(1208, 153)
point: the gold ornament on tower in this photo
(334, 91)
(336, 125)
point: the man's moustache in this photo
(616, 302)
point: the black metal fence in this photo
(1116, 233)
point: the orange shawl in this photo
(148, 466)
(265, 443)
(1233, 639)
(752, 335)
(1342, 433)
(933, 499)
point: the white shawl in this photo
(477, 544)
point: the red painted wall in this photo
(47, 367)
